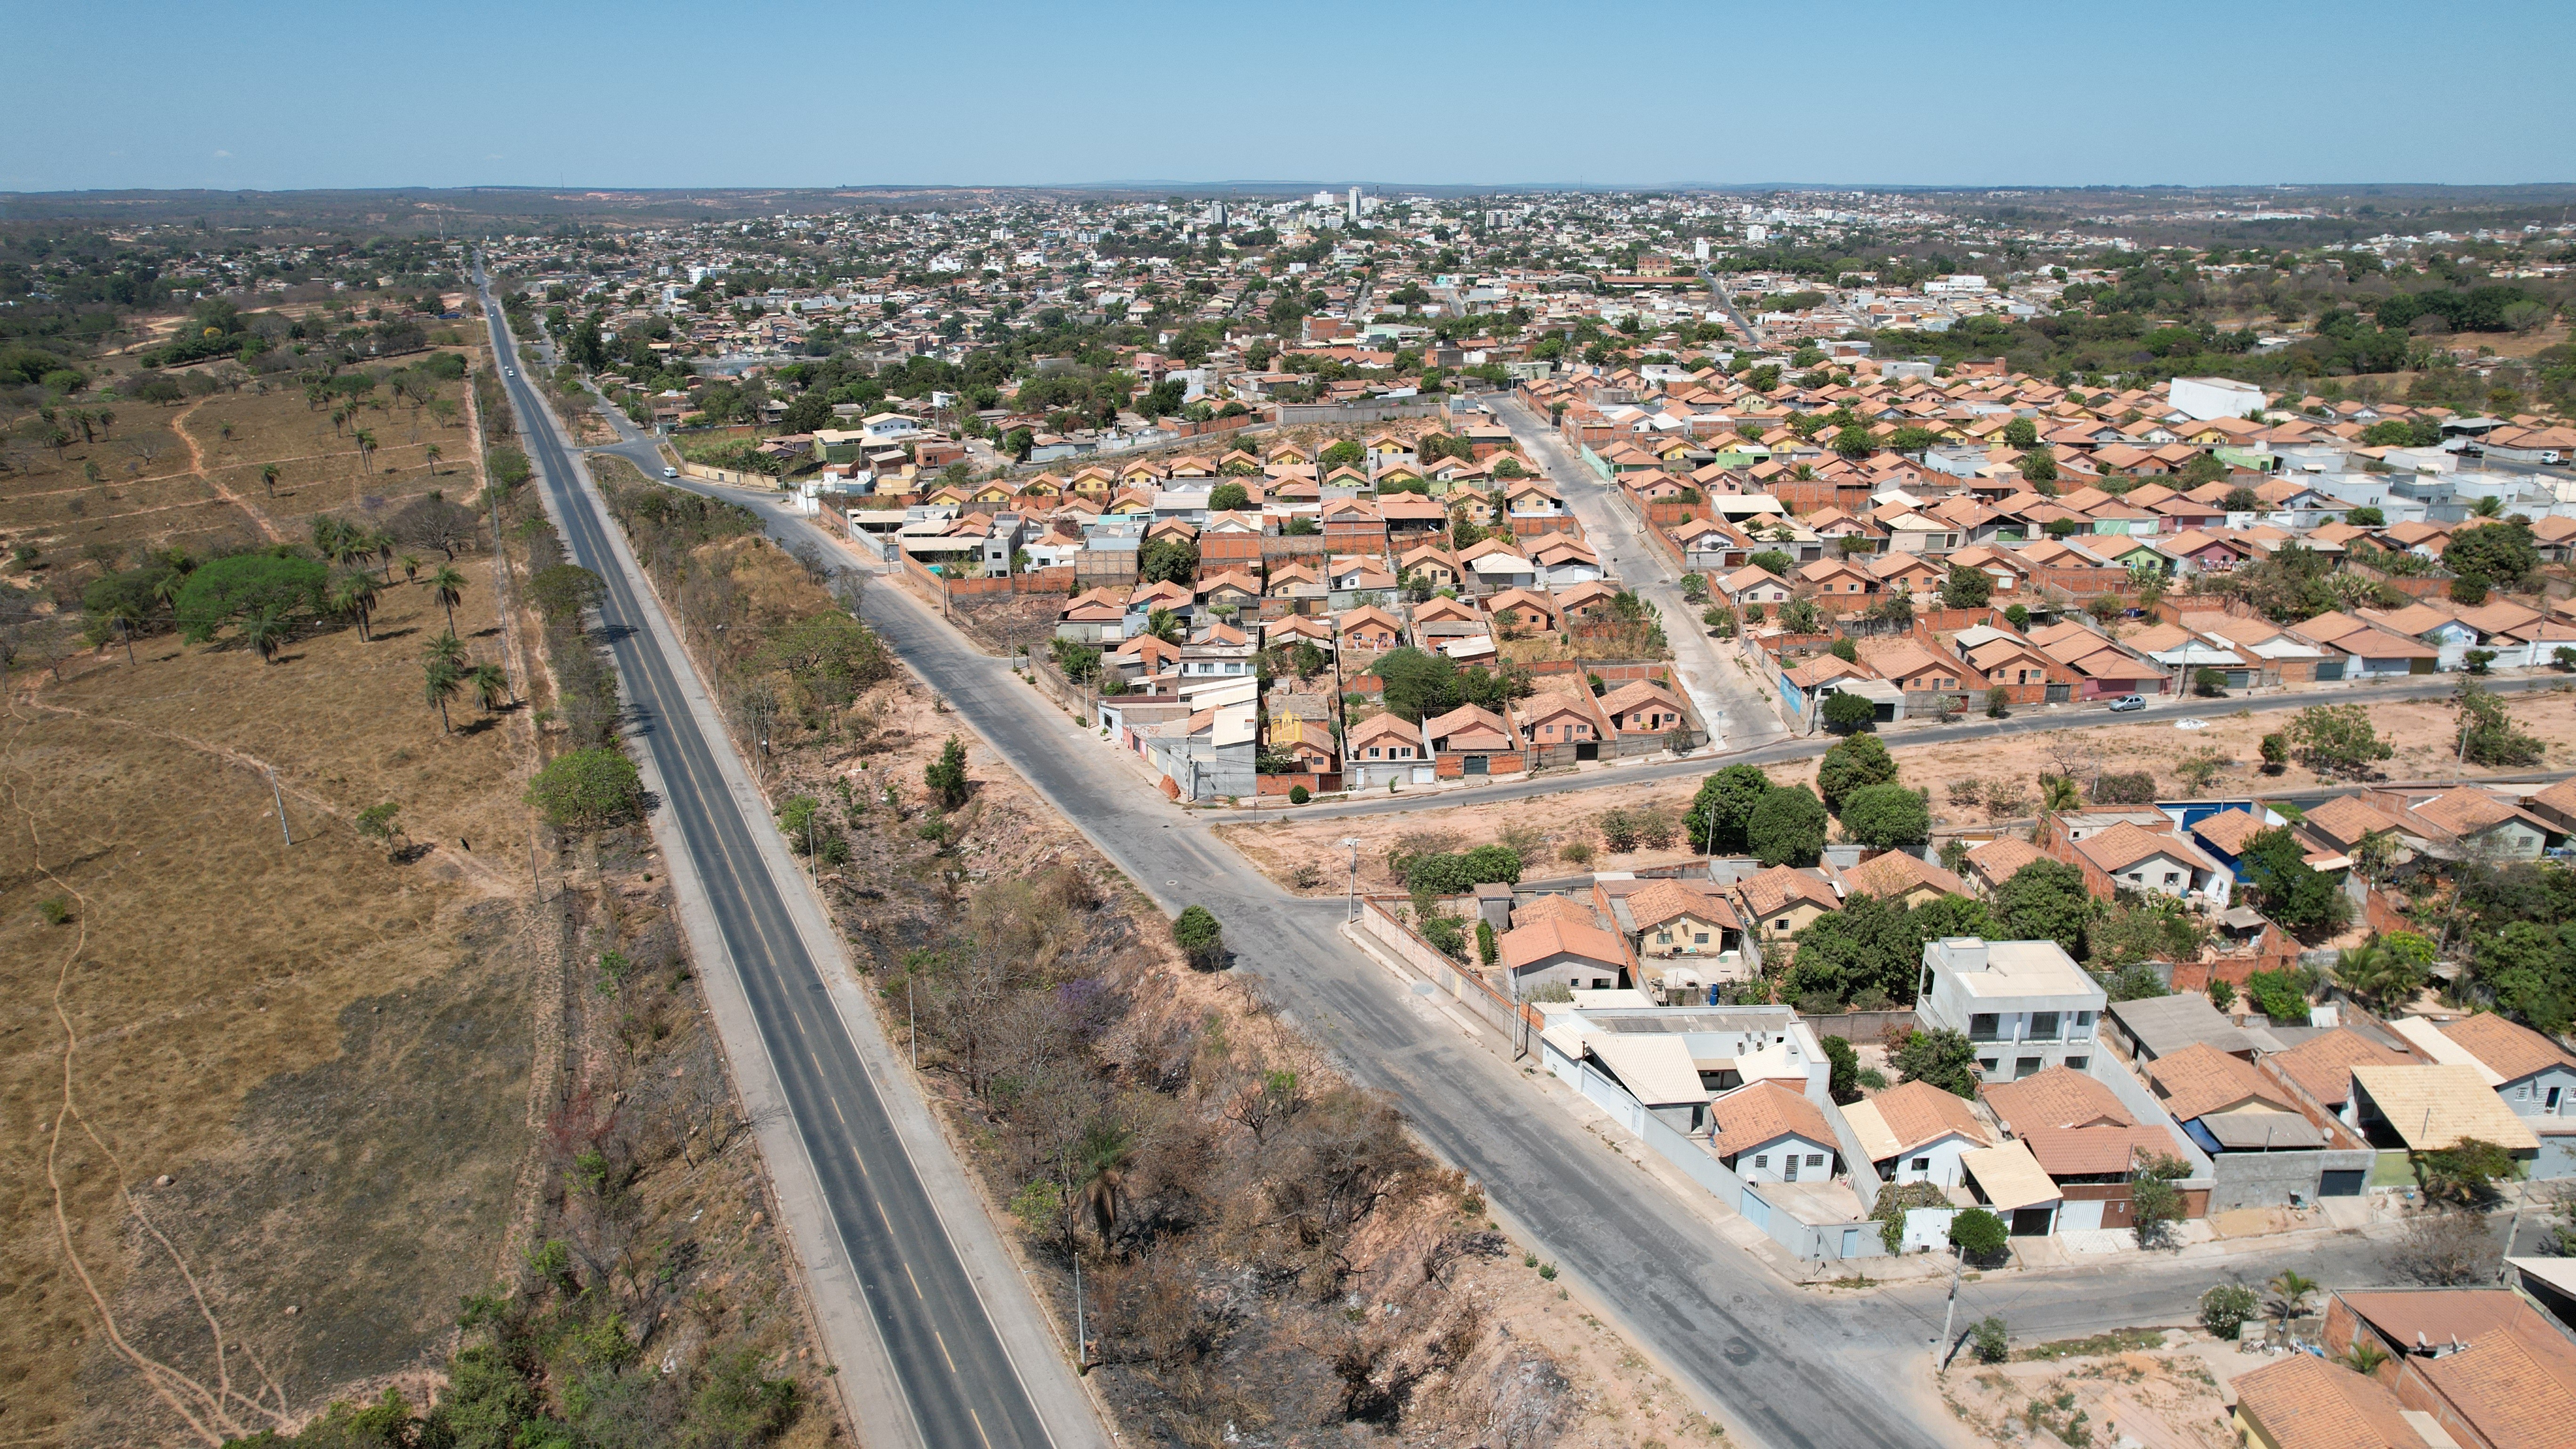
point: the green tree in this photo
(1853, 764)
(491, 685)
(1418, 684)
(2382, 973)
(1979, 1234)
(1201, 939)
(562, 591)
(2302, 899)
(284, 587)
(2496, 553)
(1850, 715)
(2486, 730)
(2531, 968)
(1886, 817)
(1787, 827)
(440, 682)
(2279, 995)
(1723, 810)
(2021, 433)
(353, 597)
(2337, 739)
(1844, 1083)
(947, 775)
(1967, 588)
(1229, 497)
(2155, 1204)
(2467, 1171)
(1943, 1057)
(2045, 900)
(448, 587)
(587, 789)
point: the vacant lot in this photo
(266, 1101)
(193, 474)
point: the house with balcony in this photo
(2025, 1005)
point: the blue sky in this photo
(286, 95)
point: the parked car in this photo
(2128, 702)
(670, 472)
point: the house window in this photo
(2043, 1026)
(1700, 938)
(2079, 1063)
(1666, 938)
(1762, 1160)
(1923, 1164)
(1815, 1159)
(2171, 878)
(1985, 1064)
(1981, 1027)
(1373, 752)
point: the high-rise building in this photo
(1355, 204)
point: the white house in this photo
(2533, 1076)
(2025, 1005)
(1916, 1132)
(1767, 1132)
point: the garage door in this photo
(2341, 1184)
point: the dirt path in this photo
(217, 1412)
(197, 466)
(490, 879)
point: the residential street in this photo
(936, 1334)
(1784, 1366)
(1737, 713)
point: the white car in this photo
(670, 472)
(509, 372)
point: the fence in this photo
(1462, 986)
(734, 476)
(989, 588)
(1294, 415)
(1856, 1238)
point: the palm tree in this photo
(2290, 1290)
(410, 567)
(449, 586)
(431, 454)
(268, 476)
(381, 543)
(127, 619)
(265, 632)
(2488, 507)
(440, 681)
(327, 532)
(366, 446)
(354, 596)
(491, 686)
(2059, 793)
(446, 649)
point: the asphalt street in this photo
(1786, 1366)
(961, 1384)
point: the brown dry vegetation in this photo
(1265, 1248)
(275, 1110)
(313, 1042)
(2165, 1398)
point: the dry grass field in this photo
(191, 474)
(265, 1103)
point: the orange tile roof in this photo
(1665, 900)
(2200, 1079)
(2513, 1051)
(1774, 890)
(1918, 1112)
(2322, 1065)
(1766, 1112)
(2307, 1403)
(1895, 873)
(2057, 1097)
(1527, 945)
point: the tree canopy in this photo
(1787, 827)
(2045, 900)
(1886, 817)
(1723, 809)
(1853, 764)
(281, 585)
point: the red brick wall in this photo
(1225, 548)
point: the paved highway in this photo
(1786, 1367)
(958, 1382)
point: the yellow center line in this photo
(916, 1283)
(979, 1426)
(836, 1111)
(952, 1359)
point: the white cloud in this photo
(227, 155)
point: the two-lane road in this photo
(958, 1384)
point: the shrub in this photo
(1575, 852)
(587, 789)
(1201, 939)
(1849, 714)
(1993, 1344)
(55, 910)
(2280, 995)
(1979, 1234)
(1298, 795)
(1998, 702)
(2132, 789)
(947, 775)
(2221, 995)
(2209, 684)
(2225, 1308)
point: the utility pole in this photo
(1353, 842)
(911, 1020)
(280, 797)
(1948, 1311)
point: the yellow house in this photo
(1780, 902)
(1094, 483)
(1291, 453)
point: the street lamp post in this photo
(1353, 842)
